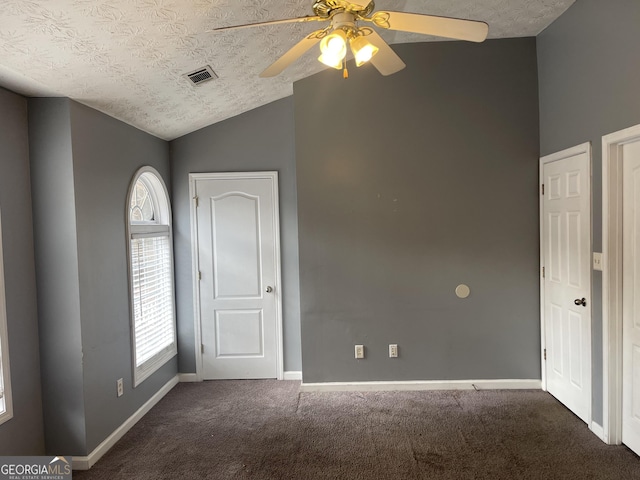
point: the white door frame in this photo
(569, 152)
(612, 158)
(197, 328)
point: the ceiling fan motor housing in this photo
(328, 8)
(344, 20)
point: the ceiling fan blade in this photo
(292, 55)
(308, 18)
(456, 28)
(386, 60)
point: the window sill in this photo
(144, 371)
(6, 416)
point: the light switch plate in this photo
(597, 261)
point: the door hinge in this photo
(197, 200)
(545, 353)
(543, 272)
(543, 189)
(199, 275)
(202, 348)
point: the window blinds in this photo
(152, 295)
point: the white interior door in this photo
(566, 258)
(631, 297)
(236, 217)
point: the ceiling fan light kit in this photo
(334, 49)
(363, 51)
(365, 42)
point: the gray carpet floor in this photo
(268, 430)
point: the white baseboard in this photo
(188, 377)
(85, 463)
(422, 385)
(193, 377)
(597, 430)
(292, 376)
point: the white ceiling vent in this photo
(201, 75)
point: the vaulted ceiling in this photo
(128, 58)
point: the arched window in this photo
(151, 273)
(6, 409)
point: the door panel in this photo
(239, 333)
(631, 297)
(554, 227)
(576, 338)
(238, 259)
(566, 251)
(574, 251)
(635, 392)
(556, 343)
(236, 246)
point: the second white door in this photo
(566, 258)
(631, 297)
(236, 217)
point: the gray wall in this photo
(23, 434)
(83, 162)
(106, 154)
(57, 273)
(409, 185)
(259, 140)
(589, 80)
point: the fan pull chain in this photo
(345, 72)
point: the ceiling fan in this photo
(344, 28)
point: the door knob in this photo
(269, 289)
(580, 301)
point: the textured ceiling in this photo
(127, 57)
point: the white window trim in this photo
(145, 370)
(8, 403)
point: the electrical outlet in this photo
(359, 351)
(393, 350)
(120, 387)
